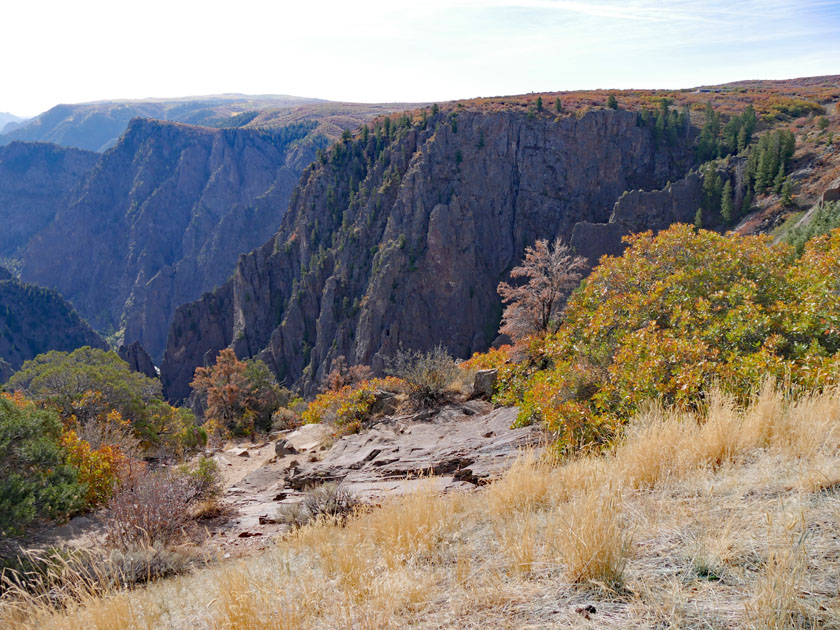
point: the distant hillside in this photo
(35, 179)
(97, 126)
(34, 320)
(9, 119)
(163, 216)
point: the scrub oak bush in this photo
(677, 312)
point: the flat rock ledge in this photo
(470, 443)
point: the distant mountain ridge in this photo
(98, 125)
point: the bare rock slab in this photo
(470, 442)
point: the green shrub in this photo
(428, 374)
(35, 481)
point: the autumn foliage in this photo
(676, 313)
(551, 272)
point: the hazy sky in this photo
(81, 50)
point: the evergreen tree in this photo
(787, 192)
(612, 103)
(746, 204)
(698, 218)
(742, 138)
(726, 203)
(558, 106)
(779, 181)
(539, 104)
(712, 190)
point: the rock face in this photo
(138, 359)
(35, 320)
(401, 237)
(470, 442)
(35, 179)
(163, 217)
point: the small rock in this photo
(267, 520)
(280, 496)
(484, 383)
(243, 453)
(586, 611)
(249, 534)
(384, 403)
(282, 448)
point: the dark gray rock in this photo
(138, 359)
(282, 448)
(412, 256)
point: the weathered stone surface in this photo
(138, 359)
(283, 448)
(484, 383)
(309, 437)
(439, 218)
(469, 442)
(384, 403)
(832, 193)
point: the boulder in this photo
(485, 383)
(309, 437)
(283, 448)
(384, 403)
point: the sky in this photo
(388, 51)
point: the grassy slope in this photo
(733, 521)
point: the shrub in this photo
(330, 500)
(349, 406)
(35, 479)
(428, 374)
(152, 508)
(86, 381)
(675, 313)
(100, 469)
(238, 396)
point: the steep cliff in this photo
(400, 237)
(34, 320)
(35, 179)
(162, 217)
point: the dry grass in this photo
(729, 520)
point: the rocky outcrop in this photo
(138, 359)
(400, 237)
(35, 179)
(162, 218)
(34, 320)
(471, 442)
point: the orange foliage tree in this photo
(534, 307)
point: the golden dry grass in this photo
(729, 520)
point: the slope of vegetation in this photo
(723, 518)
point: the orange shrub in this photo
(101, 470)
(350, 405)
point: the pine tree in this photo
(698, 218)
(742, 138)
(787, 192)
(746, 204)
(779, 180)
(558, 106)
(612, 103)
(726, 202)
(539, 104)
